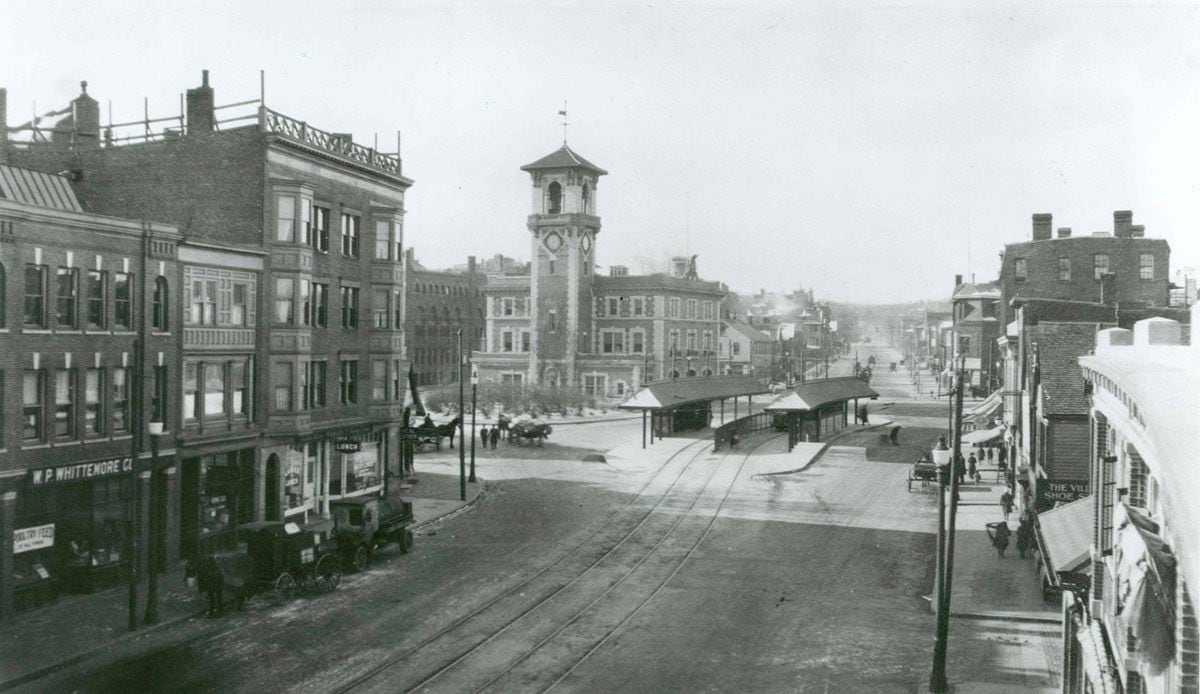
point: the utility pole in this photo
(462, 450)
(937, 679)
(474, 394)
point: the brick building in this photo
(77, 385)
(561, 325)
(318, 221)
(976, 326)
(1134, 628)
(439, 304)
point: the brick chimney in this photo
(957, 281)
(1064, 232)
(201, 116)
(1137, 231)
(85, 114)
(1122, 222)
(1042, 222)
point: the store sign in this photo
(79, 472)
(29, 539)
(1051, 493)
(347, 446)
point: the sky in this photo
(869, 151)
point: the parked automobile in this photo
(365, 524)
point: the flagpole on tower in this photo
(563, 113)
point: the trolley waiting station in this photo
(686, 404)
(818, 408)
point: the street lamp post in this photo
(155, 429)
(937, 679)
(462, 450)
(474, 393)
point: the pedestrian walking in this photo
(960, 468)
(483, 436)
(972, 468)
(1024, 535)
(895, 436)
(495, 437)
(865, 419)
(990, 454)
(1006, 503)
(999, 533)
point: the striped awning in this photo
(37, 188)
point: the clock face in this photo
(587, 243)
(553, 241)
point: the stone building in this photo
(317, 221)
(89, 326)
(439, 304)
(561, 325)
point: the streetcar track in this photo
(374, 671)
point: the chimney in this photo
(201, 116)
(470, 265)
(1064, 232)
(85, 119)
(957, 281)
(1137, 231)
(1122, 221)
(1042, 222)
(679, 266)
(618, 271)
(3, 125)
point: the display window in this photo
(356, 473)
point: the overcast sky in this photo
(869, 151)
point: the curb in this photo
(833, 439)
(1026, 617)
(48, 670)
(461, 509)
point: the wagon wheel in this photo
(285, 587)
(328, 573)
(540, 440)
(362, 557)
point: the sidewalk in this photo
(45, 640)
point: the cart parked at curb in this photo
(287, 558)
(364, 524)
(923, 471)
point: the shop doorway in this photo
(271, 509)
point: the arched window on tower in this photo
(554, 201)
(587, 199)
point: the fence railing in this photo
(300, 131)
(730, 433)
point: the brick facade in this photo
(438, 305)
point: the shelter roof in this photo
(563, 158)
(37, 188)
(683, 391)
(813, 394)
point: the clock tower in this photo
(563, 228)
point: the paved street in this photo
(673, 569)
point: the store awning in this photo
(1065, 535)
(1147, 566)
(982, 436)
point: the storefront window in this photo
(362, 468)
(239, 384)
(190, 400)
(297, 488)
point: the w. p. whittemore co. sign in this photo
(79, 472)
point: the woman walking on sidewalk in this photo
(998, 532)
(1006, 503)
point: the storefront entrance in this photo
(216, 495)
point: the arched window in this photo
(554, 203)
(3, 295)
(587, 198)
(160, 304)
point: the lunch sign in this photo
(79, 472)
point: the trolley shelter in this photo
(817, 408)
(686, 404)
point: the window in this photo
(281, 380)
(379, 381)
(348, 382)
(506, 341)
(349, 307)
(379, 307)
(96, 292)
(239, 384)
(397, 381)
(158, 396)
(397, 319)
(639, 342)
(67, 297)
(64, 403)
(306, 228)
(383, 240)
(31, 412)
(594, 384)
(122, 301)
(736, 348)
(554, 201)
(1099, 265)
(321, 233)
(525, 341)
(691, 339)
(315, 395)
(1064, 269)
(350, 225)
(1021, 269)
(691, 309)
(120, 400)
(305, 302)
(93, 402)
(552, 320)
(320, 301)
(285, 300)
(35, 296)
(3, 316)
(214, 389)
(191, 393)
(639, 306)
(159, 319)
(551, 267)
(673, 307)
(203, 305)
(238, 304)
(612, 342)
(509, 306)
(285, 227)
(1146, 266)
(613, 306)
(514, 379)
